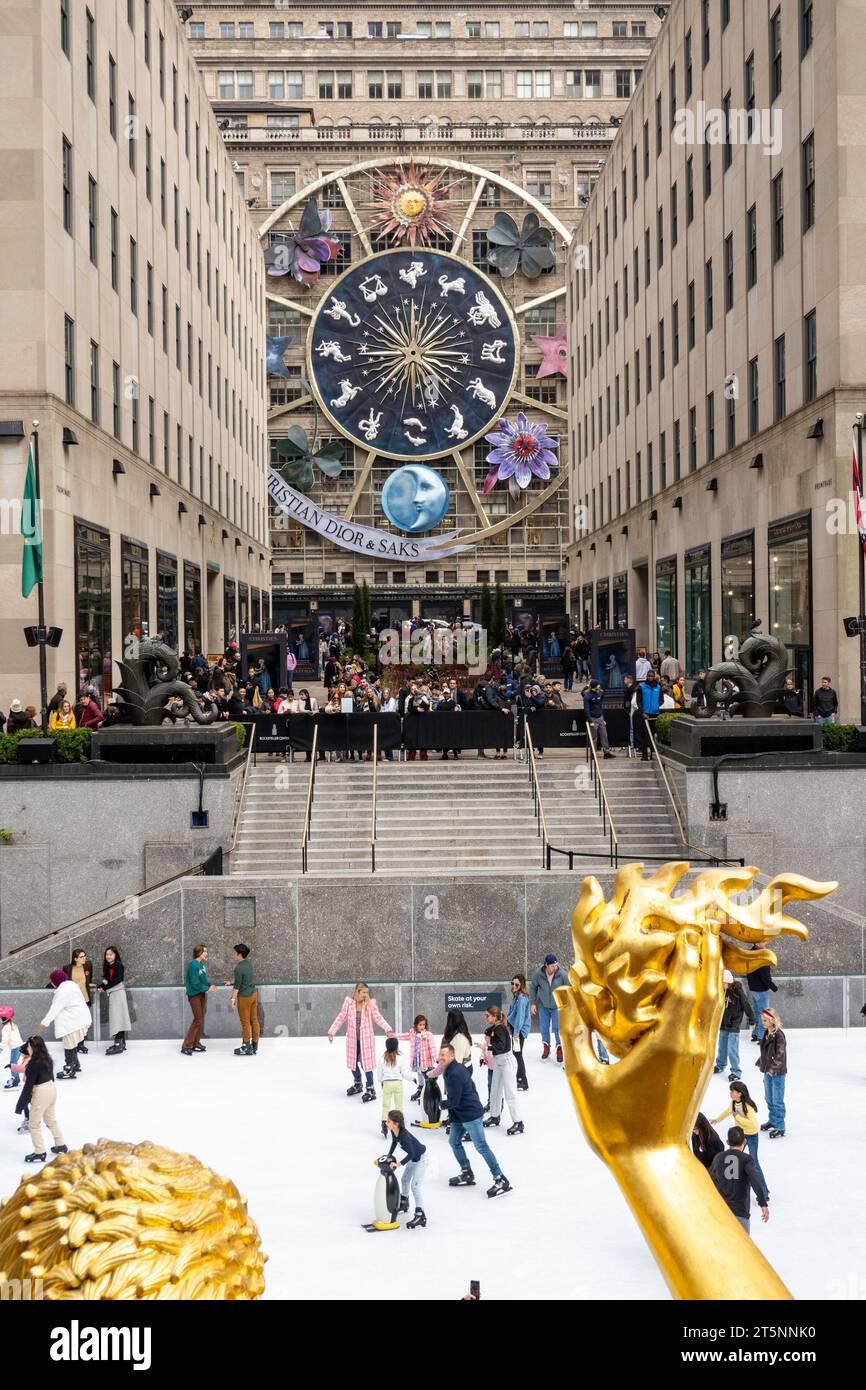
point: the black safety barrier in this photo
(471, 728)
(566, 728)
(345, 733)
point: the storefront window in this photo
(166, 599)
(244, 607)
(229, 610)
(191, 607)
(698, 613)
(586, 619)
(602, 604)
(135, 609)
(791, 594)
(620, 600)
(256, 608)
(666, 605)
(93, 607)
(738, 588)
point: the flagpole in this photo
(858, 449)
(40, 592)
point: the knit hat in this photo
(727, 977)
(15, 707)
(57, 977)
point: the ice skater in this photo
(80, 971)
(71, 1018)
(10, 1041)
(705, 1142)
(391, 1073)
(414, 1166)
(519, 1026)
(114, 989)
(458, 1035)
(545, 980)
(360, 1012)
(733, 1173)
(198, 987)
(464, 1113)
(422, 1055)
(773, 1062)
(744, 1112)
(246, 1000)
(40, 1093)
(736, 1005)
(498, 1043)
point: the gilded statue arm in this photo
(647, 978)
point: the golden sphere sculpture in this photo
(131, 1221)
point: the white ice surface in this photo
(281, 1126)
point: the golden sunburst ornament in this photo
(408, 205)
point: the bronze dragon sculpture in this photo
(149, 681)
(759, 673)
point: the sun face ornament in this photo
(408, 206)
(523, 451)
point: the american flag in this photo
(859, 501)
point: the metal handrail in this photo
(661, 768)
(305, 836)
(603, 803)
(540, 820)
(373, 812)
(242, 789)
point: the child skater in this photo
(744, 1112)
(422, 1055)
(10, 1040)
(391, 1073)
(414, 1166)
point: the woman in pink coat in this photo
(360, 1012)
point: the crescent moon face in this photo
(415, 498)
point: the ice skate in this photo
(35, 1158)
(465, 1179)
(369, 1094)
(355, 1089)
(516, 1128)
(500, 1185)
(419, 1219)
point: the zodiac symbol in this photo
(377, 291)
(481, 392)
(415, 438)
(459, 287)
(338, 310)
(484, 313)
(431, 390)
(370, 427)
(455, 430)
(348, 394)
(331, 348)
(412, 273)
(492, 352)
(416, 424)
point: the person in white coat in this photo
(71, 1018)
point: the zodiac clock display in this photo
(413, 353)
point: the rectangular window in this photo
(711, 426)
(395, 85)
(808, 162)
(93, 604)
(623, 82)
(376, 85)
(660, 236)
(752, 247)
(749, 90)
(705, 32)
(131, 134)
(114, 250)
(115, 399)
(729, 273)
(148, 165)
(646, 150)
(806, 30)
(708, 167)
(708, 294)
(726, 13)
(776, 54)
(675, 218)
(731, 418)
(92, 219)
(677, 452)
(661, 350)
(425, 85)
(754, 400)
(691, 315)
(344, 86)
(690, 190)
(778, 217)
(344, 29)
(649, 364)
(149, 293)
(133, 276)
(64, 26)
(136, 439)
(491, 28)
(176, 219)
(738, 585)
(542, 83)
(161, 66)
(675, 331)
(696, 575)
(810, 357)
(67, 186)
(779, 383)
(90, 53)
(69, 358)
(539, 183)
(693, 439)
(666, 604)
(174, 95)
(94, 382)
(687, 53)
(592, 83)
(647, 257)
(727, 148)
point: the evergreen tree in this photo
(486, 615)
(368, 614)
(358, 618)
(497, 623)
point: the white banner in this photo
(365, 540)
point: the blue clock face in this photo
(415, 498)
(413, 353)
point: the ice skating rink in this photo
(281, 1126)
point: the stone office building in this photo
(717, 344)
(531, 95)
(132, 326)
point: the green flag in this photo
(31, 562)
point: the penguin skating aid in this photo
(432, 1103)
(386, 1198)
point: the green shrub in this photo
(71, 745)
(240, 734)
(663, 724)
(839, 738)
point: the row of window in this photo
(278, 84)
(777, 214)
(225, 497)
(805, 34)
(131, 128)
(430, 29)
(593, 426)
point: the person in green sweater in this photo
(246, 1001)
(198, 987)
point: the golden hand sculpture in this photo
(131, 1221)
(647, 977)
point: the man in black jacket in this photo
(734, 1173)
(593, 708)
(825, 702)
(465, 1113)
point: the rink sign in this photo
(471, 1003)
